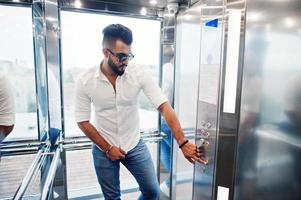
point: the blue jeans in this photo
(138, 161)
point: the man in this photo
(113, 89)
(7, 108)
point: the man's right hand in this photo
(116, 153)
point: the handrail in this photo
(51, 175)
(77, 142)
(85, 143)
(25, 182)
(19, 143)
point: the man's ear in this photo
(105, 52)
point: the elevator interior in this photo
(236, 73)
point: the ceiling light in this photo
(77, 4)
(153, 2)
(254, 16)
(289, 22)
(188, 17)
(143, 11)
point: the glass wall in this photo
(17, 64)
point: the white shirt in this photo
(7, 104)
(116, 116)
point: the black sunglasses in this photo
(121, 56)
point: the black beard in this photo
(114, 68)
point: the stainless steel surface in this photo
(27, 178)
(14, 2)
(268, 163)
(53, 64)
(230, 87)
(38, 9)
(55, 97)
(47, 188)
(208, 95)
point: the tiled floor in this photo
(12, 172)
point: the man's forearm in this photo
(172, 121)
(189, 150)
(91, 132)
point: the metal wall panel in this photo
(269, 140)
(233, 46)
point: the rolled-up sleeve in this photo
(82, 103)
(152, 90)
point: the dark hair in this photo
(117, 31)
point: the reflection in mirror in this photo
(7, 108)
(17, 80)
(17, 67)
(269, 149)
